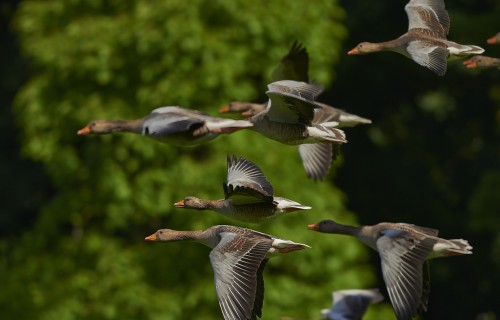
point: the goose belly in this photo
(287, 133)
(255, 212)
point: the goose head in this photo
(192, 203)
(364, 48)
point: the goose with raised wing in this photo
(288, 118)
(425, 42)
(404, 250)
(295, 66)
(316, 158)
(238, 258)
(171, 125)
(248, 195)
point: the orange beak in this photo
(224, 109)
(179, 204)
(492, 40)
(313, 226)
(151, 237)
(470, 64)
(353, 52)
(84, 131)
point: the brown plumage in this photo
(425, 42)
(248, 195)
(404, 250)
(317, 157)
(238, 258)
(172, 125)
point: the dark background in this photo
(431, 157)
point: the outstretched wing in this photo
(430, 15)
(316, 159)
(293, 66)
(236, 261)
(402, 263)
(246, 183)
(430, 56)
(292, 101)
(165, 124)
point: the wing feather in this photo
(402, 263)
(236, 261)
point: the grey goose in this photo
(403, 249)
(248, 195)
(425, 42)
(172, 125)
(238, 258)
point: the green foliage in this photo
(85, 257)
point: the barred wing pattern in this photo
(292, 101)
(402, 263)
(244, 178)
(428, 14)
(236, 261)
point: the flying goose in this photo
(172, 125)
(316, 158)
(425, 42)
(238, 258)
(403, 249)
(248, 195)
(288, 118)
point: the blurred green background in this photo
(75, 210)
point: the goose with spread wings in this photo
(288, 118)
(425, 42)
(248, 195)
(316, 158)
(238, 258)
(172, 125)
(404, 250)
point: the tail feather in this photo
(462, 246)
(474, 50)
(454, 247)
(287, 246)
(350, 120)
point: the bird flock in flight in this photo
(293, 116)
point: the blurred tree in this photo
(84, 257)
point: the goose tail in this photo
(350, 120)
(453, 247)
